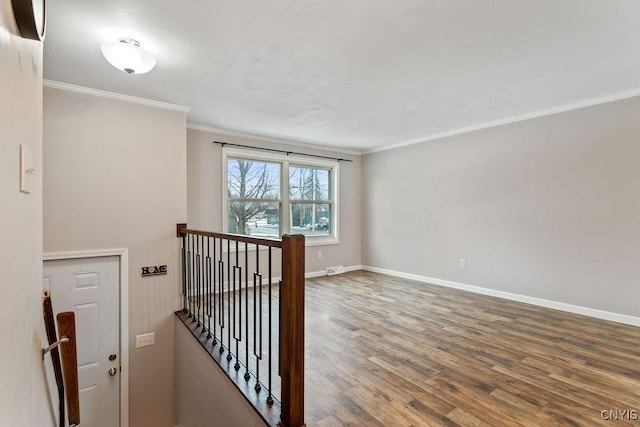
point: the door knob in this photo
(113, 371)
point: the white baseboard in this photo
(324, 272)
(315, 274)
(586, 311)
(353, 268)
(276, 280)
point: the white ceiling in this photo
(354, 74)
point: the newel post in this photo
(292, 331)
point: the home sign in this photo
(155, 270)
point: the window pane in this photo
(307, 183)
(252, 179)
(254, 218)
(311, 219)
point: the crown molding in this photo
(116, 96)
(519, 118)
(486, 125)
(209, 129)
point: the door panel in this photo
(88, 316)
(90, 287)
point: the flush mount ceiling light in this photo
(127, 55)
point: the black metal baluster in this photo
(198, 278)
(238, 337)
(203, 299)
(189, 274)
(188, 268)
(203, 283)
(213, 287)
(208, 278)
(247, 375)
(270, 397)
(257, 329)
(193, 280)
(184, 273)
(221, 296)
(229, 357)
(279, 326)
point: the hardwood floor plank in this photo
(465, 420)
(383, 351)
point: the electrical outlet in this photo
(319, 254)
(145, 340)
(463, 263)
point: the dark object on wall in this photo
(52, 337)
(67, 328)
(31, 18)
(155, 270)
(273, 150)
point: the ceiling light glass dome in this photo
(127, 55)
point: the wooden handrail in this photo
(292, 331)
(182, 229)
(52, 336)
(67, 328)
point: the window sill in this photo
(320, 240)
(308, 241)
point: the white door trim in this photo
(123, 253)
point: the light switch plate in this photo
(26, 170)
(145, 340)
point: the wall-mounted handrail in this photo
(67, 327)
(56, 344)
(52, 337)
(66, 346)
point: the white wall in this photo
(115, 177)
(546, 208)
(204, 161)
(23, 396)
(205, 396)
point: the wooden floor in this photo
(382, 351)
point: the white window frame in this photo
(285, 209)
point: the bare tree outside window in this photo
(254, 197)
(262, 201)
(310, 199)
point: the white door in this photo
(90, 287)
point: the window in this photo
(253, 188)
(309, 200)
(270, 195)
